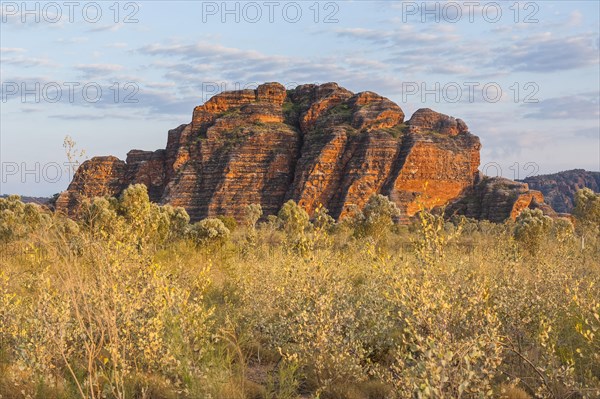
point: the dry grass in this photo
(290, 312)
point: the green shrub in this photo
(252, 213)
(376, 218)
(18, 220)
(178, 220)
(229, 222)
(209, 231)
(295, 223)
(563, 230)
(531, 228)
(294, 219)
(133, 218)
(587, 214)
(432, 234)
(587, 207)
(109, 306)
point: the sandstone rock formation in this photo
(315, 144)
(497, 199)
(95, 178)
(559, 188)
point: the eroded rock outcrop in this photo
(315, 144)
(95, 178)
(498, 199)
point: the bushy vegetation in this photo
(133, 301)
(531, 227)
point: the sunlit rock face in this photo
(315, 144)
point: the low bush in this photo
(131, 301)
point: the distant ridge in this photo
(559, 188)
(32, 200)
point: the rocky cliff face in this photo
(316, 144)
(498, 199)
(559, 188)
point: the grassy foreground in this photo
(133, 302)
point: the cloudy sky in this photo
(117, 76)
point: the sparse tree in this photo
(73, 154)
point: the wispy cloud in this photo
(11, 50)
(98, 70)
(206, 62)
(29, 62)
(116, 45)
(73, 40)
(92, 116)
(547, 53)
(106, 28)
(580, 106)
(407, 35)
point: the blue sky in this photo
(542, 57)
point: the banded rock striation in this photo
(497, 199)
(315, 144)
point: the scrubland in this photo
(132, 301)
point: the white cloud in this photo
(116, 45)
(547, 53)
(29, 62)
(98, 70)
(579, 106)
(106, 28)
(11, 50)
